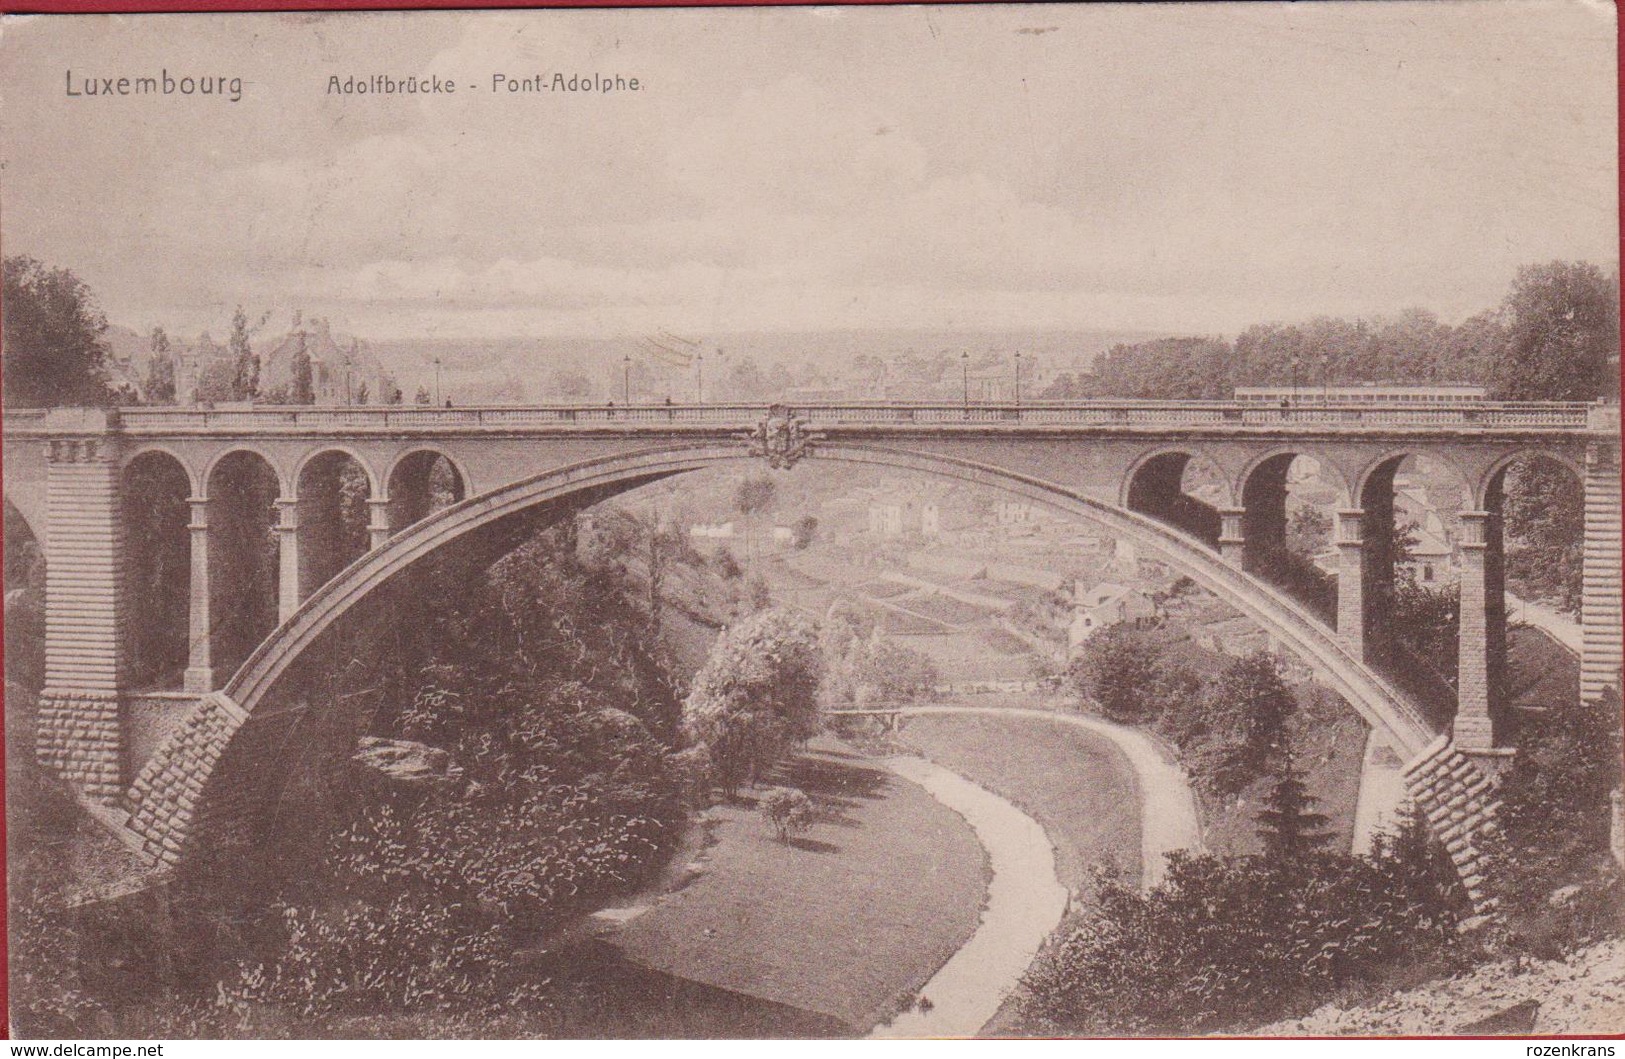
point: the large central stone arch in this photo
(180, 795)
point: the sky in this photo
(1158, 167)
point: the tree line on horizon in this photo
(1555, 336)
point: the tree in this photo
(755, 494)
(1563, 333)
(1308, 531)
(745, 381)
(1544, 508)
(1117, 669)
(756, 696)
(787, 810)
(564, 383)
(160, 385)
(1286, 825)
(883, 670)
(245, 362)
(54, 353)
(1246, 712)
(303, 386)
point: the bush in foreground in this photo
(1227, 942)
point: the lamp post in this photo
(1018, 378)
(626, 379)
(699, 378)
(437, 382)
(1295, 363)
(964, 372)
(1325, 378)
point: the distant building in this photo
(886, 520)
(342, 370)
(1012, 512)
(1106, 604)
(930, 520)
(1431, 561)
(712, 531)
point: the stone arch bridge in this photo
(440, 478)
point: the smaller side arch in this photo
(419, 450)
(1380, 465)
(302, 464)
(1482, 488)
(412, 491)
(134, 454)
(1154, 486)
(1190, 453)
(206, 480)
(1329, 467)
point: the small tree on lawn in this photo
(787, 810)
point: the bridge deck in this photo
(1488, 417)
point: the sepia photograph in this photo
(883, 521)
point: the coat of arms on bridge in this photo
(781, 438)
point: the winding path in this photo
(1168, 818)
(1025, 902)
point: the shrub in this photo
(1554, 828)
(358, 958)
(787, 810)
(756, 696)
(1224, 943)
(1117, 668)
(1244, 724)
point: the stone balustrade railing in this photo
(1493, 416)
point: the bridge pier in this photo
(200, 623)
(378, 529)
(1233, 535)
(1351, 580)
(1481, 647)
(287, 536)
(79, 733)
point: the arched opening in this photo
(1182, 490)
(420, 484)
(1543, 503)
(1289, 504)
(1534, 574)
(157, 570)
(242, 491)
(333, 491)
(1411, 571)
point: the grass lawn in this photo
(844, 922)
(1077, 785)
